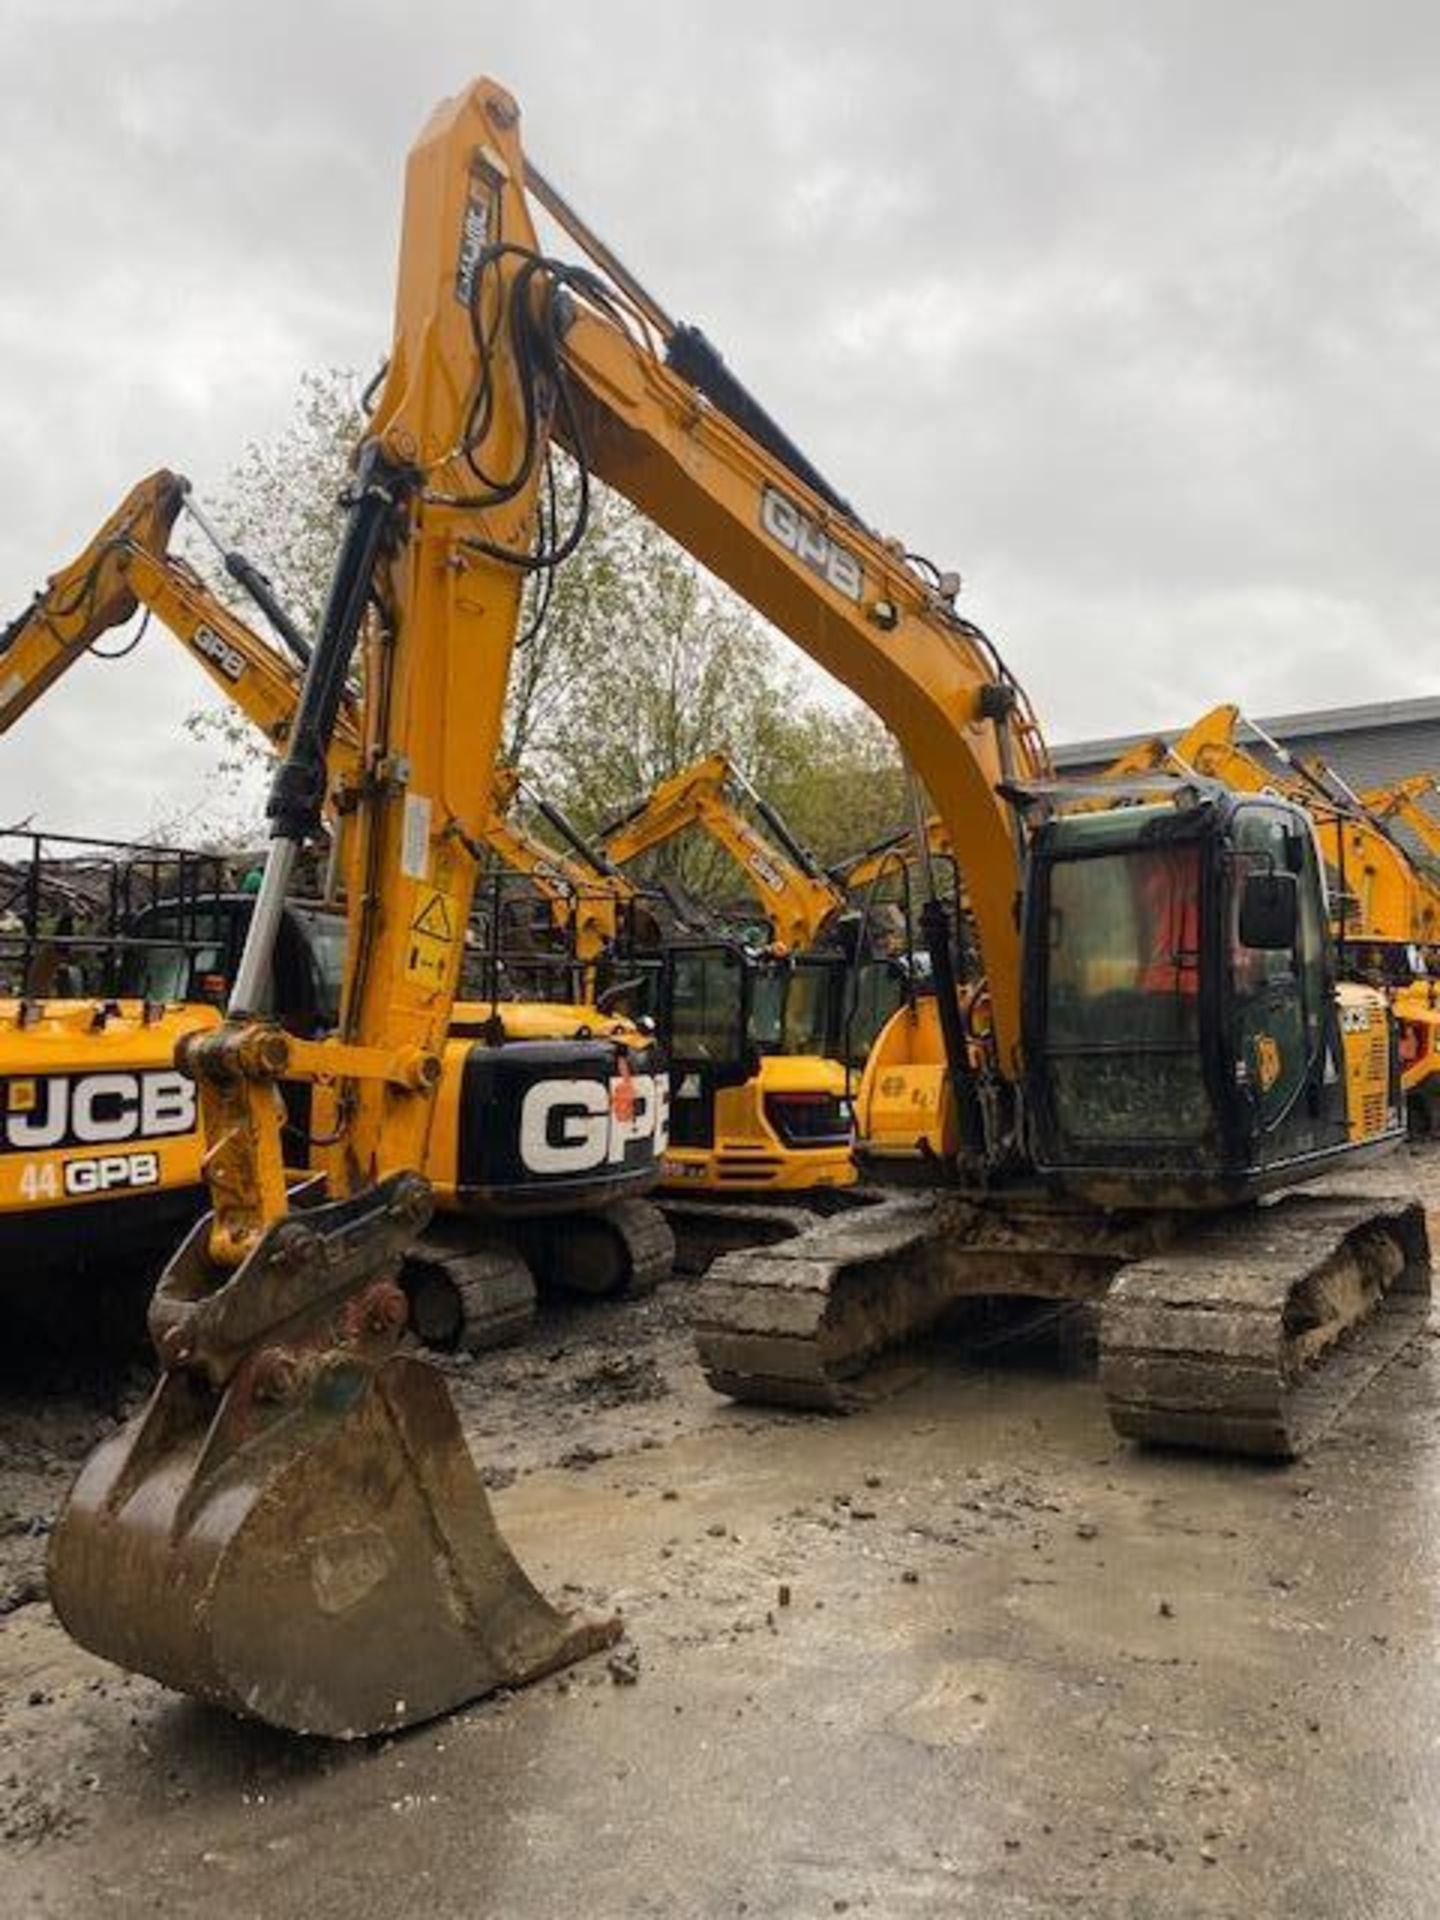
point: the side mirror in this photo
(1269, 912)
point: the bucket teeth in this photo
(304, 1539)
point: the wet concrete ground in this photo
(1023, 1670)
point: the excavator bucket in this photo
(305, 1540)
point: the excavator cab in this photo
(745, 1035)
(1184, 1025)
(189, 951)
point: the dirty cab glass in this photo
(1123, 996)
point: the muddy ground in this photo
(963, 1653)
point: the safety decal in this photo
(433, 933)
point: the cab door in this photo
(705, 1031)
(1280, 1020)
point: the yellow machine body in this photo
(904, 1113)
(749, 1154)
(1366, 1037)
(94, 1120)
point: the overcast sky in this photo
(1129, 310)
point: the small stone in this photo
(1086, 1530)
(718, 1530)
(873, 1480)
(1312, 1726)
(670, 1493)
(623, 1666)
(910, 1577)
(1012, 1845)
(1165, 1610)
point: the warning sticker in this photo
(432, 937)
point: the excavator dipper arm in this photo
(128, 566)
(796, 895)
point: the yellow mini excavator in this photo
(504, 1219)
(760, 1104)
(293, 1526)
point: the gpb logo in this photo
(114, 1170)
(474, 238)
(216, 648)
(577, 1126)
(800, 535)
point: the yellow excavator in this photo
(1382, 896)
(1417, 1004)
(1384, 904)
(506, 1216)
(1402, 802)
(759, 1102)
(293, 1526)
(604, 920)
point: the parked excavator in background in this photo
(709, 797)
(1401, 802)
(293, 1526)
(1417, 1006)
(753, 1031)
(509, 1214)
(1384, 902)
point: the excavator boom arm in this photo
(838, 592)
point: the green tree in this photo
(632, 660)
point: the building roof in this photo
(1319, 723)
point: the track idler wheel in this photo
(466, 1297)
(301, 1535)
(625, 1247)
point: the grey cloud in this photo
(1125, 309)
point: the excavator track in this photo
(649, 1244)
(466, 1296)
(704, 1228)
(1253, 1335)
(1248, 1333)
(801, 1323)
(625, 1248)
